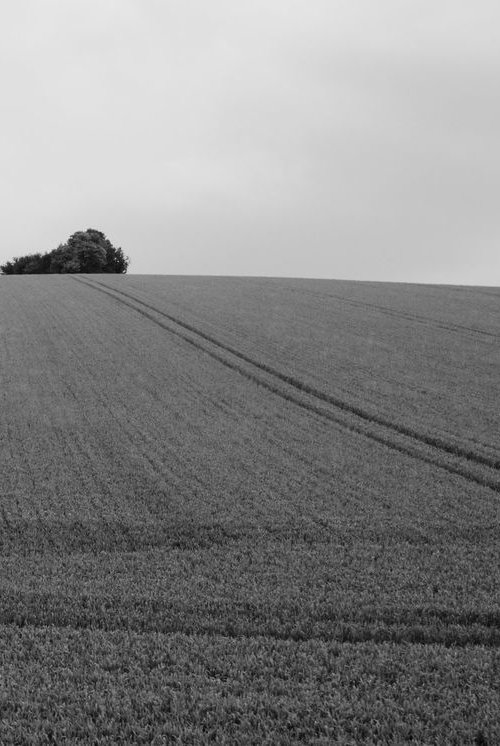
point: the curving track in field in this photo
(466, 462)
(414, 317)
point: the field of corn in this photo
(248, 511)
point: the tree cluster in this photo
(84, 251)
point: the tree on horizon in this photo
(84, 252)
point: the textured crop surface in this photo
(248, 511)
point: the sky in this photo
(349, 139)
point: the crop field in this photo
(248, 511)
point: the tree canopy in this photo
(84, 251)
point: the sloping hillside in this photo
(275, 502)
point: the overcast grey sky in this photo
(355, 139)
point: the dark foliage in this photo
(85, 251)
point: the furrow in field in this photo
(290, 621)
(487, 292)
(348, 588)
(453, 458)
(413, 317)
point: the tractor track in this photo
(434, 450)
(408, 316)
(244, 620)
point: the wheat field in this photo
(247, 510)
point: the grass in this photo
(248, 511)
